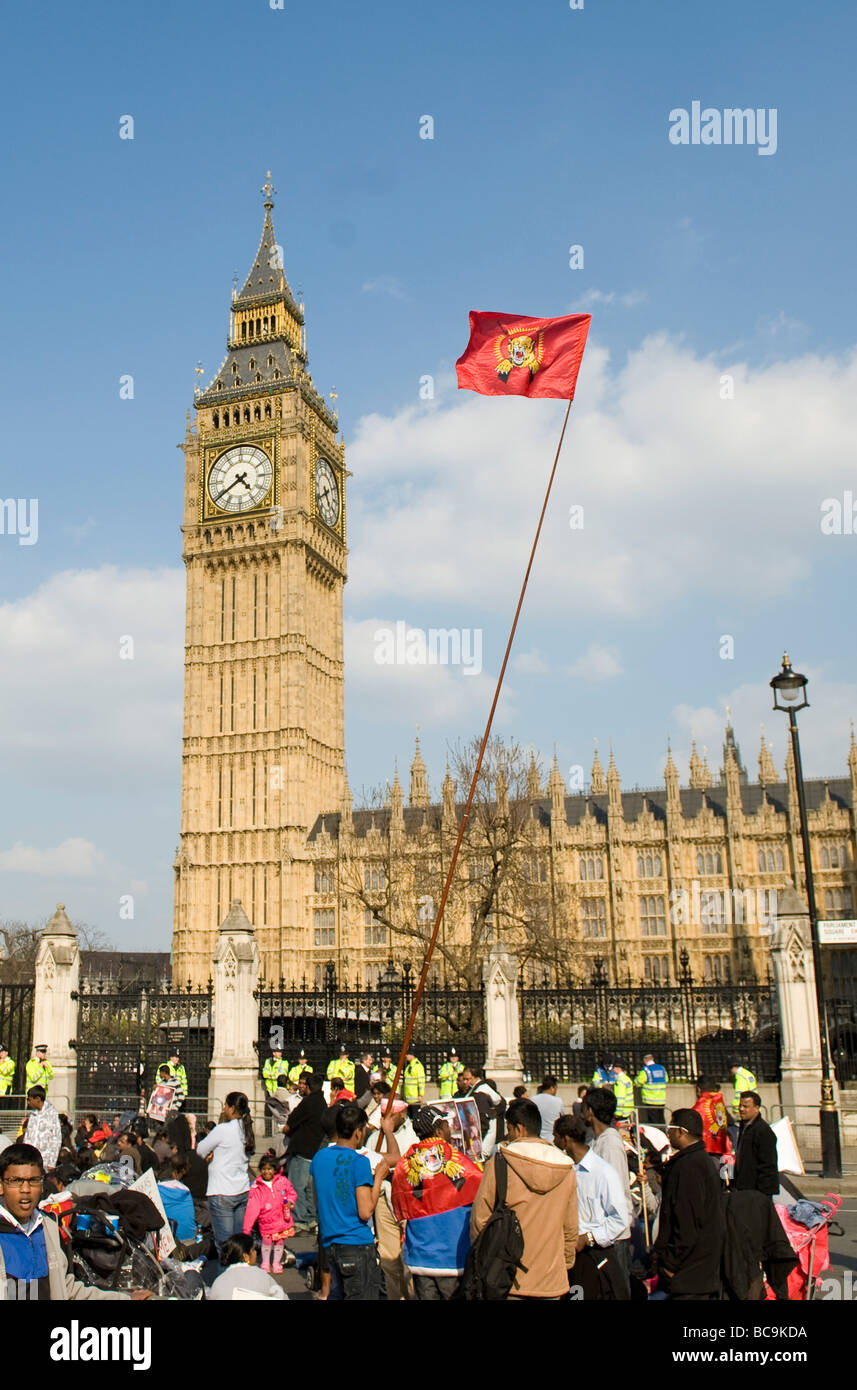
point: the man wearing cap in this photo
(449, 1074)
(40, 1072)
(387, 1068)
(413, 1079)
(7, 1072)
(434, 1186)
(176, 1069)
(691, 1230)
(343, 1067)
(652, 1079)
(275, 1071)
(300, 1066)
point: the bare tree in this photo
(502, 890)
(19, 946)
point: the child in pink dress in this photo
(271, 1200)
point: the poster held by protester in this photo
(147, 1183)
(160, 1102)
(464, 1125)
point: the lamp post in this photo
(789, 689)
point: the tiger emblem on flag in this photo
(518, 350)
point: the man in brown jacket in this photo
(542, 1191)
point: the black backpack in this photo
(495, 1255)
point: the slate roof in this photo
(267, 278)
(632, 805)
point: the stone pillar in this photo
(794, 975)
(234, 1063)
(502, 1023)
(54, 1009)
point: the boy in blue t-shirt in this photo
(346, 1194)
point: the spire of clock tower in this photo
(267, 276)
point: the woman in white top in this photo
(227, 1149)
(241, 1278)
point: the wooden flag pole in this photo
(463, 826)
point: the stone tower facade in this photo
(265, 554)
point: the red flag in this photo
(515, 355)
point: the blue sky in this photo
(551, 129)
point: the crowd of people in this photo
(603, 1201)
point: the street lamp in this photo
(789, 689)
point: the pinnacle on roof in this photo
(768, 774)
(700, 777)
(599, 785)
(267, 276)
(534, 789)
(419, 779)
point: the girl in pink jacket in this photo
(271, 1200)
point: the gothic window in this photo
(374, 880)
(267, 410)
(779, 860)
(712, 913)
(252, 364)
(594, 917)
(655, 970)
(653, 917)
(372, 976)
(591, 867)
(374, 932)
(258, 378)
(259, 327)
(648, 866)
(236, 416)
(270, 361)
(536, 870)
(715, 969)
(277, 374)
(479, 870)
(246, 415)
(244, 329)
(216, 419)
(257, 411)
(324, 881)
(317, 977)
(837, 902)
(273, 323)
(324, 926)
(825, 858)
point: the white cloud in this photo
(630, 300)
(684, 493)
(74, 858)
(73, 713)
(597, 663)
(530, 663)
(428, 694)
(391, 285)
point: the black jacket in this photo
(756, 1159)
(691, 1229)
(755, 1241)
(304, 1131)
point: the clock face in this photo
(240, 479)
(326, 492)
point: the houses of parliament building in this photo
(633, 877)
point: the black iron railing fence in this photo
(692, 1029)
(125, 1032)
(320, 1018)
(16, 1028)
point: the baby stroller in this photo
(116, 1250)
(809, 1238)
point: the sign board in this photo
(838, 933)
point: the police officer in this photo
(39, 1070)
(342, 1066)
(652, 1080)
(387, 1068)
(275, 1071)
(413, 1080)
(7, 1071)
(301, 1065)
(449, 1074)
(176, 1069)
(602, 1075)
(623, 1090)
(743, 1080)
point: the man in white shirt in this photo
(549, 1105)
(599, 1107)
(43, 1127)
(603, 1215)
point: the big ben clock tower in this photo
(265, 555)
